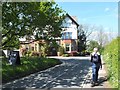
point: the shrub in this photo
(44, 50)
(65, 55)
(61, 50)
(34, 53)
(110, 56)
(73, 53)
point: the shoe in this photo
(96, 83)
(93, 84)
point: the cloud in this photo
(107, 9)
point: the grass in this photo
(28, 66)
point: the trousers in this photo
(95, 70)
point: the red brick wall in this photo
(67, 41)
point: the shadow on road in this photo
(69, 74)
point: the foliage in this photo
(61, 50)
(54, 18)
(73, 53)
(111, 57)
(92, 44)
(53, 47)
(20, 19)
(65, 55)
(29, 65)
(34, 53)
(81, 39)
(44, 50)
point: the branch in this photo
(8, 40)
(88, 34)
(6, 34)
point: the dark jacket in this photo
(99, 58)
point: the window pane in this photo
(70, 35)
(67, 35)
(67, 47)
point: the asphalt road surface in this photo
(72, 73)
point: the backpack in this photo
(95, 58)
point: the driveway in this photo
(72, 73)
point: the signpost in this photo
(14, 58)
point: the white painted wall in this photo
(71, 27)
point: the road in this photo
(74, 72)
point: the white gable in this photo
(70, 26)
(69, 23)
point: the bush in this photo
(34, 53)
(61, 50)
(65, 55)
(28, 65)
(110, 56)
(73, 53)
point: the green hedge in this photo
(110, 56)
(28, 66)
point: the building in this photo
(68, 40)
(69, 35)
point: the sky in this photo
(103, 14)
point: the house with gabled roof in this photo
(70, 34)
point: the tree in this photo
(52, 28)
(81, 40)
(14, 22)
(88, 30)
(101, 36)
(20, 19)
(92, 44)
(84, 32)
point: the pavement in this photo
(73, 74)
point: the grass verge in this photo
(28, 66)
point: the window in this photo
(68, 24)
(67, 47)
(35, 47)
(63, 35)
(67, 35)
(32, 48)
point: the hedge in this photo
(111, 58)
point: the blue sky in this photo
(94, 13)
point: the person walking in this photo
(96, 65)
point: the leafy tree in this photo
(54, 18)
(15, 22)
(21, 19)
